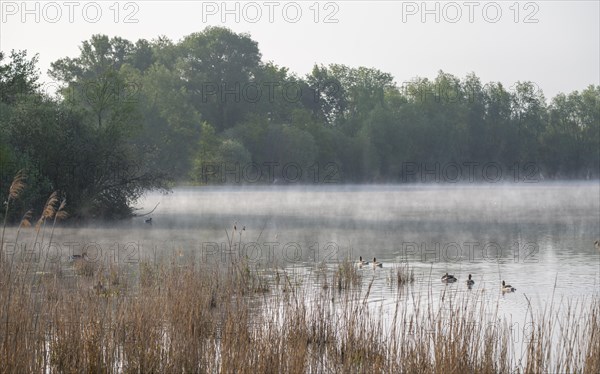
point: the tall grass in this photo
(402, 274)
(14, 191)
(198, 318)
(184, 316)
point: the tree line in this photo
(135, 116)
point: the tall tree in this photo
(19, 77)
(218, 65)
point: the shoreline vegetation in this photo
(129, 117)
(181, 314)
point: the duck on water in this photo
(507, 287)
(377, 264)
(470, 282)
(448, 278)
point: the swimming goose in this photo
(377, 263)
(148, 220)
(507, 287)
(448, 278)
(470, 281)
(361, 262)
(597, 244)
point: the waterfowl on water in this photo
(361, 262)
(597, 244)
(448, 278)
(148, 220)
(376, 263)
(507, 287)
(470, 281)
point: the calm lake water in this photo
(532, 235)
(538, 237)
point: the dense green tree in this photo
(499, 125)
(290, 147)
(205, 152)
(170, 125)
(573, 131)
(79, 146)
(136, 116)
(165, 52)
(219, 67)
(252, 133)
(17, 78)
(530, 116)
(142, 55)
(326, 98)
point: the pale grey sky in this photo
(555, 44)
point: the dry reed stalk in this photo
(202, 319)
(14, 191)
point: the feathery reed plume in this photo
(26, 220)
(16, 187)
(59, 214)
(49, 208)
(48, 211)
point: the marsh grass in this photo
(178, 316)
(347, 275)
(14, 191)
(402, 274)
(196, 318)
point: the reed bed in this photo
(196, 318)
(184, 316)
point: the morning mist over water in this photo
(538, 233)
(264, 187)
